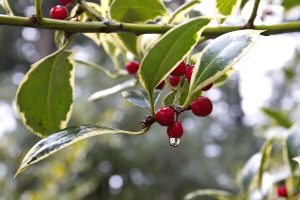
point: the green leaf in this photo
(226, 7)
(278, 117)
(64, 138)
(169, 99)
(111, 44)
(249, 172)
(289, 4)
(293, 145)
(221, 54)
(45, 96)
(131, 43)
(96, 37)
(169, 51)
(216, 194)
(297, 159)
(139, 98)
(266, 153)
(115, 89)
(136, 10)
(224, 78)
(5, 5)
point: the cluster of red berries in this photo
(168, 116)
(60, 11)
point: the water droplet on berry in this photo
(174, 142)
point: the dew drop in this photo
(174, 142)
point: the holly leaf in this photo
(7, 9)
(115, 89)
(289, 4)
(45, 95)
(169, 99)
(227, 7)
(221, 54)
(293, 145)
(278, 117)
(136, 10)
(249, 171)
(131, 43)
(111, 44)
(139, 98)
(215, 194)
(266, 153)
(96, 37)
(224, 78)
(169, 51)
(64, 138)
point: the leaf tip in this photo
(297, 159)
(19, 171)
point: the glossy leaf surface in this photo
(221, 54)
(64, 138)
(169, 51)
(45, 96)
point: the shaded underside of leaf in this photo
(131, 43)
(278, 117)
(64, 138)
(169, 51)
(45, 96)
(140, 98)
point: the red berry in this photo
(207, 87)
(202, 106)
(189, 72)
(165, 116)
(65, 2)
(160, 86)
(179, 70)
(174, 80)
(132, 67)
(175, 131)
(59, 12)
(282, 191)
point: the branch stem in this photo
(38, 10)
(100, 27)
(250, 23)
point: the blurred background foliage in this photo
(212, 151)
